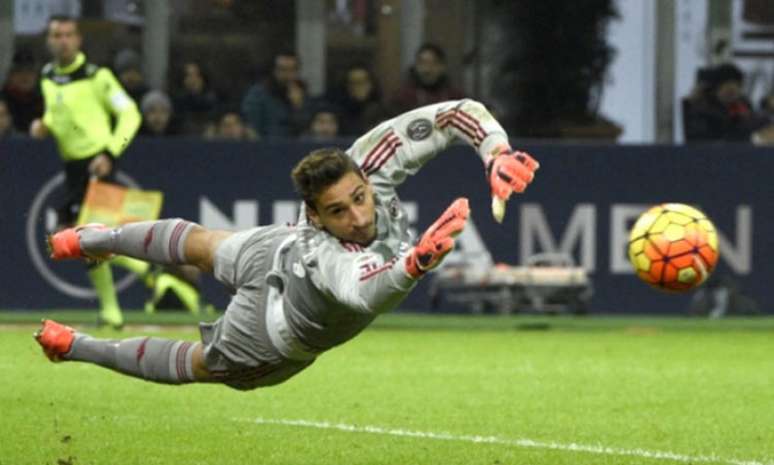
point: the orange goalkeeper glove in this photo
(507, 172)
(438, 240)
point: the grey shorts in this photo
(237, 347)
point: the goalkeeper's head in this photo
(338, 197)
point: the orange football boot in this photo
(66, 244)
(55, 339)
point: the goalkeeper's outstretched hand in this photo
(438, 240)
(508, 172)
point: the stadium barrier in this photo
(583, 202)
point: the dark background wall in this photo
(202, 181)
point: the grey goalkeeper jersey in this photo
(329, 290)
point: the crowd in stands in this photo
(280, 106)
(276, 106)
(718, 110)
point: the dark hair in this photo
(726, 72)
(321, 105)
(319, 170)
(23, 59)
(63, 19)
(203, 72)
(434, 49)
(376, 91)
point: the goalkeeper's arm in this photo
(358, 282)
(401, 146)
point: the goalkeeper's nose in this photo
(360, 218)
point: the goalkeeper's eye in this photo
(359, 198)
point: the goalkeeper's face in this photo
(346, 210)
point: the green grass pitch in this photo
(419, 390)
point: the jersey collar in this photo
(80, 59)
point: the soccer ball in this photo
(673, 247)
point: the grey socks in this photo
(153, 359)
(161, 242)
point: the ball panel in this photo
(681, 261)
(709, 256)
(695, 236)
(669, 274)
(674, 232)
(644, 222)
(656, 270)
(660, 243)
(679, 218)
(653, 252)
(706, 225)
(687, 275)
(642, 262)
(658, 226)
(679, 247)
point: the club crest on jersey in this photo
(419, 129)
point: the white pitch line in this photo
(525, 443)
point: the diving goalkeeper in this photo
(299, 290)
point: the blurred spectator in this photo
(7, 130)
(718, 110)
(767, 107)
(427, 81)
(324, 124)
(230, 126)
(157, 114)
(278, 106)
(128, 67)
(21, 91)
(359, 101)
(195, 101)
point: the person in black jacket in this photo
(719, 111)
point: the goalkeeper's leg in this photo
(154, 359)
(166, 242)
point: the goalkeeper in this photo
(299, 290)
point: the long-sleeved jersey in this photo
(80, 100)
(331, 289)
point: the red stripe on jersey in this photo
(351, 246)
(377, 148)
(382, 268)
(443, 115)
(386, 156)
(174, 239)
(385, 150)
(473, 121)
(462, 127)
(141, 349)
(472, 126)
(181, 353)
